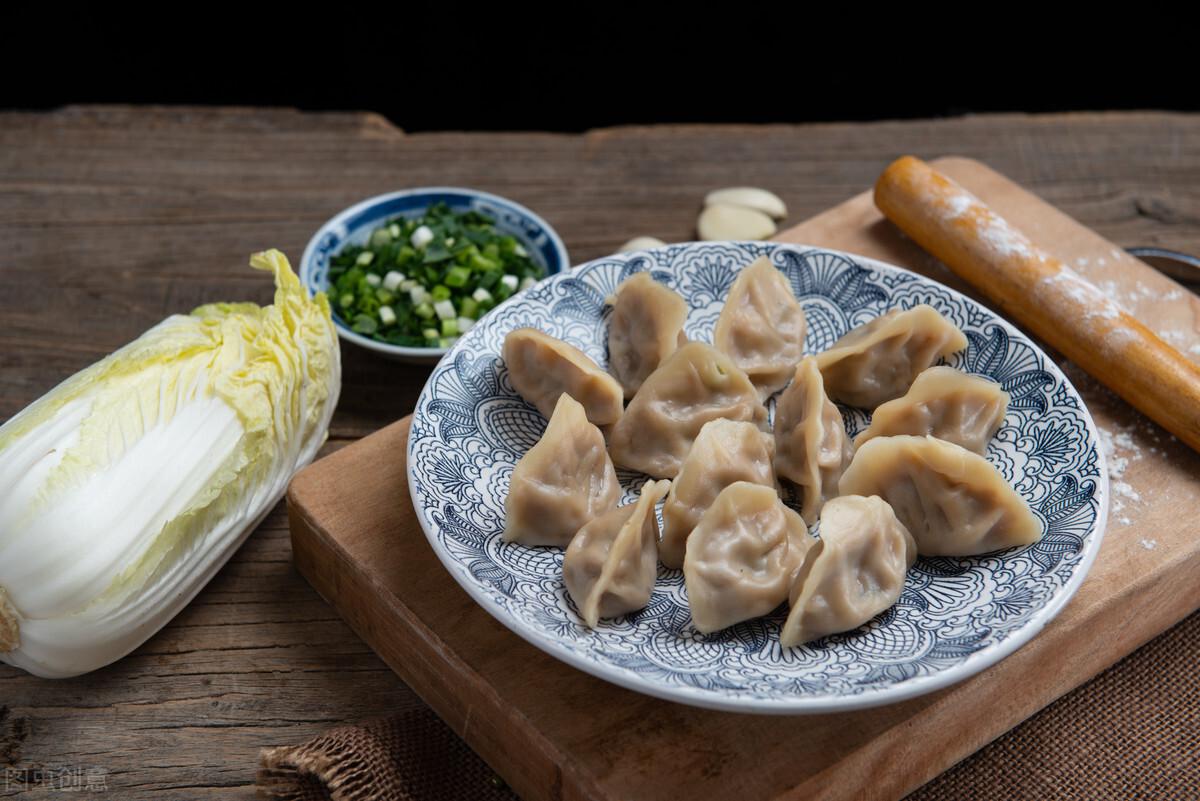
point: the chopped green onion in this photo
(414, 280)
(364, 324)
(483, 263)
(421, 237)
(445, 310)
(458, 277)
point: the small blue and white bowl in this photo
(355, 224)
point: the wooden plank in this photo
(111, 218)
(553, 731)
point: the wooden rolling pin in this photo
(1043, 294)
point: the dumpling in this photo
(697, 383)
(762, 326)
(811, 444)
(852, 574)
(541, 368)
(951, 500)
(610, 565)
(646, 327)
(562, 483)
(724, 452)
(878, 361)
(741, 556)
(945, 403)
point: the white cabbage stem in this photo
(124, 489)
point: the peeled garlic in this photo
(641, 243)
(748, 197)
(721, 221)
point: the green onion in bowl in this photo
(423, 281)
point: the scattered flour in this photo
(1140, 292)
(1003, 237)
(1096, 302)
(1149, 545)
(1195, 349)
(958, 204)
(1174, 337)
(1119, 450)
(1126, 489)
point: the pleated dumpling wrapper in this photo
(562, 483)
(541, 368)
(611, 564)
(762, 326)
(879, 360)
(646, 326)
(741, 556)
(945, 403)
(725, 451)
(852, 574)
(952, 501)
(697, 383)
(811, 445)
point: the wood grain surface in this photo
(112, 218)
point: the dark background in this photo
(444, 66)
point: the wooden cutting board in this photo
(554, 732)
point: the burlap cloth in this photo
(1133, 732)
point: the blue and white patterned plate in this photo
(955, 616)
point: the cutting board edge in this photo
(312, 552)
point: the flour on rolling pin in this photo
(1081, 298)
(1043, 294)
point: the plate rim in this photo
(892, 693)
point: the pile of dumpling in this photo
(914, 482)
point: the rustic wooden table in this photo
(112, 218)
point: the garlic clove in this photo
(641, 243)
(748, 197)
(722, 221)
